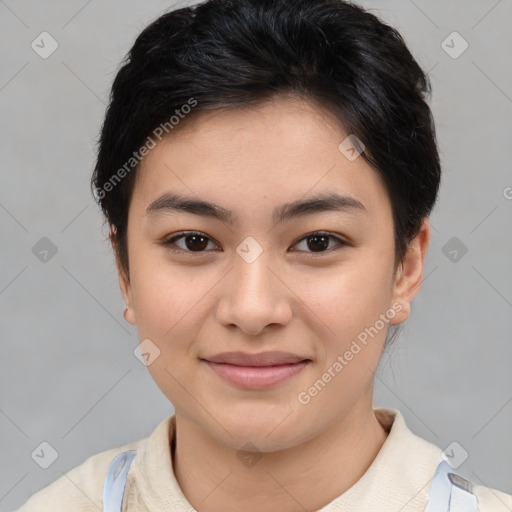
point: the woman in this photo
(267, 170)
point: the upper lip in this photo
(260, 359)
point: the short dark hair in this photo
(227, 54)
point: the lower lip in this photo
(256, 377)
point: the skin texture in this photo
(292, 298)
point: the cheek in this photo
(169, 300)
(353, 306)
(352, 303)
(168, 305)
(351, 297)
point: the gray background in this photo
(68, 373)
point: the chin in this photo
(266, 434)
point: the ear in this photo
(124, 279)
(409, 275)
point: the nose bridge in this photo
(254, 296)
(253, 276)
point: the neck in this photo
(305, 477)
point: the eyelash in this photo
(168, 242)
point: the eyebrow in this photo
(316, 204)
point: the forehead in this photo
(283, 149)
(287, 115)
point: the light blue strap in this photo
(113, 491)
(450, 492)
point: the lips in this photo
(256, 371)
(262, 359)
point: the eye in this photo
(194, 241)
(197, 242)
(319, 241)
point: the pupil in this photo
(195, 239)
(323, 245)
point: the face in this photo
(253, 275)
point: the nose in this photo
(254, 296)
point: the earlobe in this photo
(129, 316)
(409, 276)
(126, 291)
(124, 280)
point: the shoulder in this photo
(422, 465)
(492, 500)
(81, 488)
